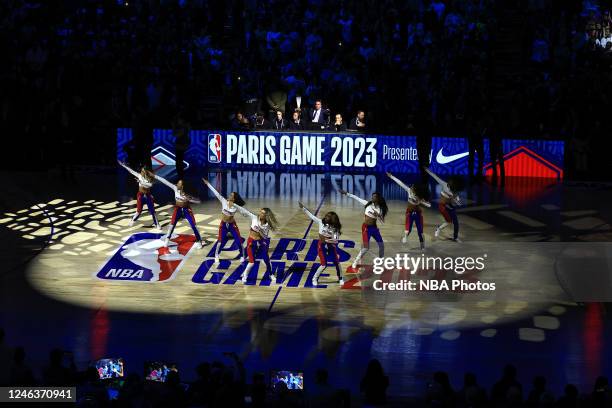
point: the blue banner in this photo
(344, 152)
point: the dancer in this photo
(417, 196)
(228, 223)
(182, 208)
(145, 181)
(375, 209)
(329, 231)
(261, 225)
(449, 201)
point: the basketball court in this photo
(79, 275)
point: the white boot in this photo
(439, 229)
(168, 235)
(405, 237)
(217, 251)
(315, 278)
(341, 282)
(132, 220)
(358, 258)
(245, 274)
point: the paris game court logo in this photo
(214, 148)
(144, 257)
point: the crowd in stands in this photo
(223, 385)
(108, 61)
(598, 25)
(73, 70)
(564, 91)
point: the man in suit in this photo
(317, 116)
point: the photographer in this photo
(231, 388)
(92, 390)
(61, 371)
(321, 394)
(6, 360)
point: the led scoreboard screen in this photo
(344, 152)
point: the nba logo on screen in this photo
(214, 148)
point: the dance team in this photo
(264, 221)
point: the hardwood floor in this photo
(190, 312)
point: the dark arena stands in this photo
(347, 203)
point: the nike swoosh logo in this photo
(442, 159)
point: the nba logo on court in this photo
(144, 257)
(214, 148)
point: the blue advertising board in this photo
(344, 152)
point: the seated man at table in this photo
(279, 123)
(239, 122)
(296, 122)
(260, 122)
(338, 125)
(358, 123)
